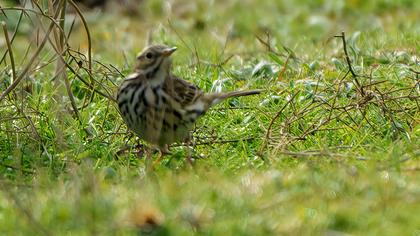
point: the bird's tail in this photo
(219, 97)
(240, 93)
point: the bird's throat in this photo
(157, 72)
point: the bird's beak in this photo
(168, 51)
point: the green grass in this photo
(316, 170)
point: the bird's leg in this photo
(162, 152)
(148, 160)
(140, 148)
(189, 155)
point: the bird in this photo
(158, 106)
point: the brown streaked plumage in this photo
(160, 107)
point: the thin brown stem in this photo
(32, 60)
(89, 38)
(343, 38)
(13, 36)
(9, 47)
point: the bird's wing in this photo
(182, 91)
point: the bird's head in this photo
(154, 59)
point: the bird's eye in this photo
(149, 55)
